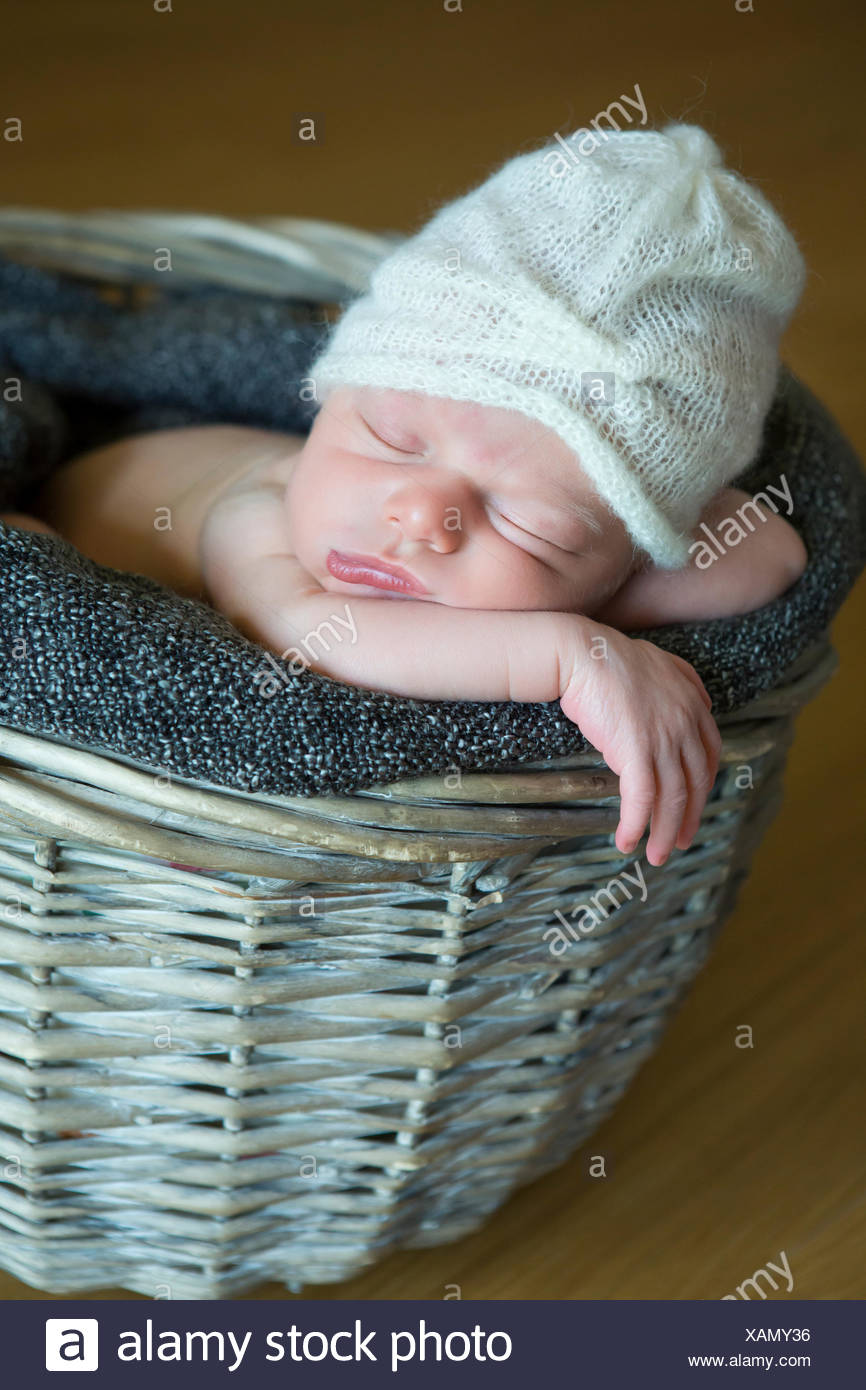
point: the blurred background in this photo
(719, 1158)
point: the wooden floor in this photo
(720, 1158)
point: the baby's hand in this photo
(647, 713)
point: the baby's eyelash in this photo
(516, 524)
(568, 549)
(386, 442)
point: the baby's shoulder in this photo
(248, 518)
(249, 497)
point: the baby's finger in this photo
(700, 775)
(695, 679)
(637, 791)
(670, 804)
(712, 740)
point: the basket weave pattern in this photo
(350, 1037)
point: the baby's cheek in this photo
(595, 584)
(515, 582)
(299, 505)
(618, 574)
(290, 512)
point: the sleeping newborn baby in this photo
(523, 426)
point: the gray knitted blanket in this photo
(115, 663)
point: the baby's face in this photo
(477, 506)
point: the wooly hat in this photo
(631, 299)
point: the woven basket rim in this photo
(43, 783)
(301, 257)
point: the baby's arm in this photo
(421, 650)
(644, 709)
(745, 576)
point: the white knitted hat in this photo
(631, 299)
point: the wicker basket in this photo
(249, 1038)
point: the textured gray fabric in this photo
(116, 663)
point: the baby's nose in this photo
(435, 515)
